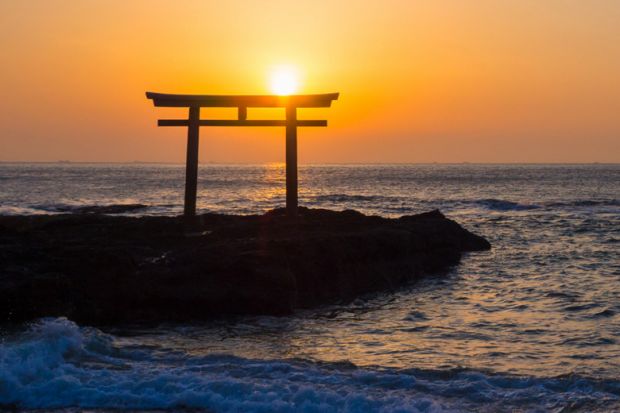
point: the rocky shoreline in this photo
(103, 270)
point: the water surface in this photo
(532, 325)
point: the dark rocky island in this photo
(102, 269)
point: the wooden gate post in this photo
(191, 164)
(291, 161)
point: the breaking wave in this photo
(57, 364)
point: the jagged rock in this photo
(99, 269)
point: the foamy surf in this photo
(58, 365)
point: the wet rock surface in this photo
(101, 269)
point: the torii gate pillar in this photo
(291, 161)
(241, 102)
(191, 162)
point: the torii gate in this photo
(242, 103)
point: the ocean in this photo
(532, 325)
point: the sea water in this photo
(532, 325)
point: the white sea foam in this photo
(57, 364)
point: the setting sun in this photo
(284, 80)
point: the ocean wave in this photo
(349, 198)
(382, 204)
(91, 209)
(585, 203)
(494, 204)
(57, 364)
(502, 205)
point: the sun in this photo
(284, 80)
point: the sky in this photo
(419, 81)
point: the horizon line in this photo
(65, 162)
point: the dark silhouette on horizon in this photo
(242, 103)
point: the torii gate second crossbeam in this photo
(242, 103)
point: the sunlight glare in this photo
(284, 81)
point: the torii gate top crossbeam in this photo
(249, 101)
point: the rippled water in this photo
(533, 325)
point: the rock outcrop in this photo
(101, 269)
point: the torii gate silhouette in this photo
(241, 102)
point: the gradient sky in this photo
(420, 81)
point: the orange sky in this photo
(420, 81)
